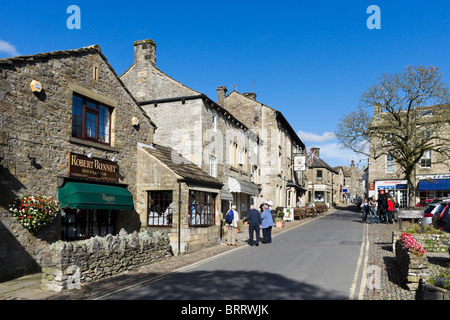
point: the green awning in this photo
(94, 196)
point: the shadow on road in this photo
(217, 285)
(220, 285)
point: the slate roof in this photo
(319, 163)
(182, 166)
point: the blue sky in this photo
(311, 60)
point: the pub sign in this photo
(81, 166)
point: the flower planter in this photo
(413, 268)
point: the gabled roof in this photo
(319, 163)
(181, 166)
(93, 49)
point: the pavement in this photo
(381, 255)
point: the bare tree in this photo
(411, 114)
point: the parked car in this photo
(428, 213)
(441, 218)
(424, 203)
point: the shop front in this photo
(396, 188)
(91, 199)
(434, 186)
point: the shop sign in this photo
(81, 166)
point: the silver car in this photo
(429, 212)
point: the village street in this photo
(320, 259)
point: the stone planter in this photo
(413, 269)
(427, 291)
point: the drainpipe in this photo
(179, 218)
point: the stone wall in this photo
(429, 292)
(20, 250)
(69, 264)
(413, 269)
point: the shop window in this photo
(91, 120)
(202, 208)
(78, 224)
(160, 208)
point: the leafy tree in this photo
(411, 114)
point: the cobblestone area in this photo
(382, 255)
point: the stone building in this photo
(279, 145)
(353, 184)
(70, 129)
(198, 128)
(320, 177)
(431, 175)
(75, 136)
(338, 186)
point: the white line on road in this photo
(362, 254)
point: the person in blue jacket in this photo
(266, 224)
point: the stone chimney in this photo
(222, 92)
(145, 51)
(250, 95)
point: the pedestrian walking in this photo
(372, 211)
(365, 209)
(232, 225)
(254, 225)
(266, 224)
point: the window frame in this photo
(198, 201)
(85, 111)
(425, 160)
(390, 163)
(167, 219)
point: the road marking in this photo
(364, 275)
(362, 253)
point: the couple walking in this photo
(369, 209)
(258, 221)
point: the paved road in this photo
(321, 259)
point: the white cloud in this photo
(314, 137)
(330, 150)
(8, 48)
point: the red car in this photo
(424, 203)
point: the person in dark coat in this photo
(254, 225)
(382, 207)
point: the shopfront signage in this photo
(81, 166)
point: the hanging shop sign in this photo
(81, 166)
